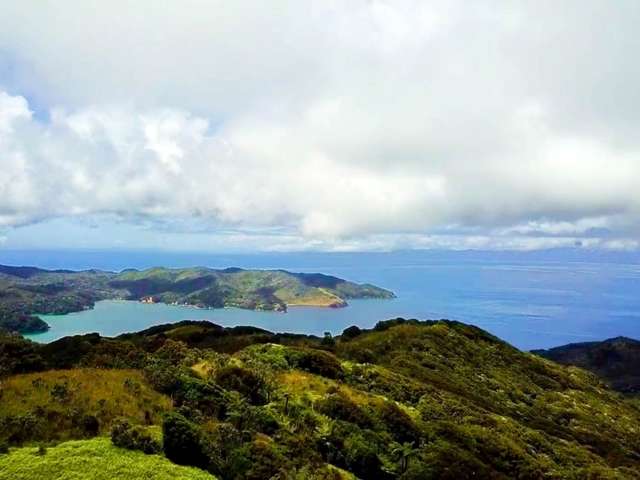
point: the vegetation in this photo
(95, 459)
(77, 403)
(616, 360)
(405, 400)
(234, 287)
(136, 437)
(27, 291)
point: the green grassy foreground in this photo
(407, 400)
(96, 459)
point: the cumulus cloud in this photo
(507, 125)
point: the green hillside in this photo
(405, 400)
(27, 291)
(617, 360)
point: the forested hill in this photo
(616, 360)
(25, 291)
(405, 400)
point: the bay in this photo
(531, 301)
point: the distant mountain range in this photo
(25, 291)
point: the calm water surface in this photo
(531, 304)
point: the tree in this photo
(404, 452)
(351, 332)
(328, 340)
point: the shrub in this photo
(266, 460)
(340, 407)
(90, 425)
(224, 443)
(445, 461)
(265, 421)
(183, 442)
(243, 381)
(4, 447)
(172, 351)
(162, 375)
(399, 423)
(60, 392)
(131, 437)
(328, 340)
(315, 361)
(361, 458)
(197, 394)
(21, 428)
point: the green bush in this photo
(21, 428)
(361, 457)
(182, 441)
(265, 460)
(90, 425)
(340, 407)
(264, 420)
(200, 395)
(315, 361)
(243, 381)
(125, 435)
(162, 375)
(399, 423)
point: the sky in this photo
(332, 126)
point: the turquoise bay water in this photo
(530, 301)
(112, 317)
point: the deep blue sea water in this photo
(533, 300)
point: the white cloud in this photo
(341, 121)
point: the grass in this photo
(97, 459)
(54, 395)
(315, 297)
(203, 369)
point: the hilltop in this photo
(407, 399)
(616, 360)
(27, 291)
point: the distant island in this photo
(27, 291)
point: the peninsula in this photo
(27, 291)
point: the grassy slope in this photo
(318, 297)
(105, 394)
(95, 459)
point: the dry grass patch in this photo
(60, 400)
